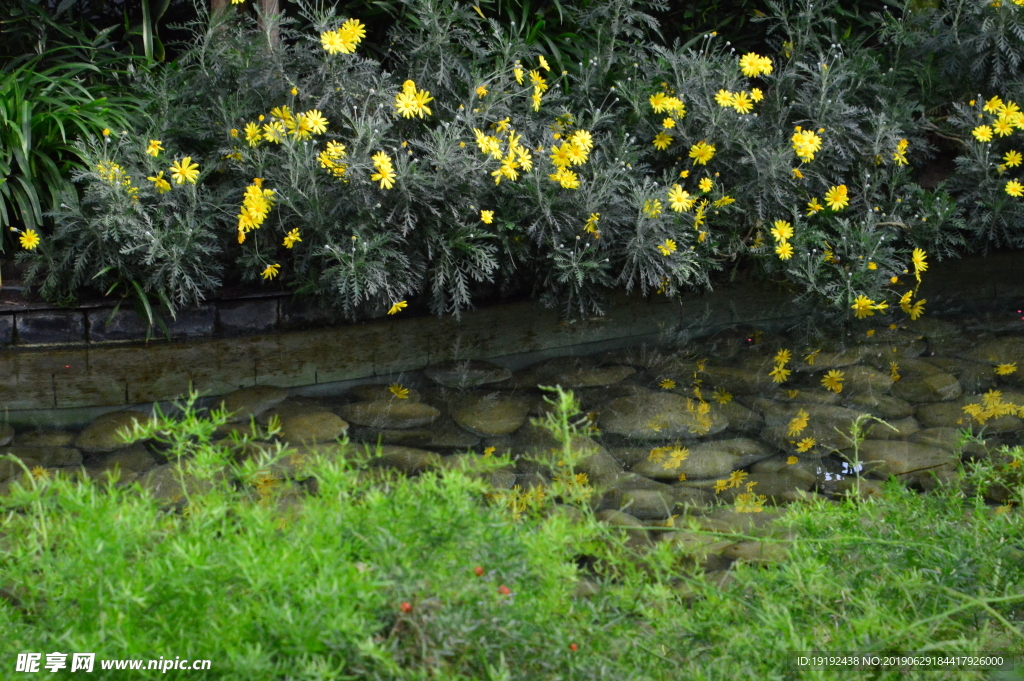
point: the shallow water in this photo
(747, 417)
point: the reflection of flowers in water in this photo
(848, 470)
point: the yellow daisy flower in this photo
(833, 381)
(680, 200)
(159, 183)
(291, 237)
(1006, 369)
(29, 239)
(782, 230)
(702, 152)
(668, 247)
(784, 250)
(918, 260)
(185, 171)
(837, 198)
(805, 445)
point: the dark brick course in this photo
(47, 327)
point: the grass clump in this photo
(378, 576)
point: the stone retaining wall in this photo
(60, 359)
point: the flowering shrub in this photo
(989, 170)
(473, 163)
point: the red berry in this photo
(573, 647)
(406, 606)
(479, 571)
(504, 590)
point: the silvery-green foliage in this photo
(169, 244)
(365, 247)
(996, 218)
(971, 41)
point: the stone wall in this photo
(74, 359)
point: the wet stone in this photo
(570, 513)
(488, 414)
(758, 552)
(411, 437)
(705, 460)
(445, 433)
(885, 458)
(13, 468)
(906, 368)
(831, 359)
(942, 415)
(952, 415)
(808, 396)
(636, 534)
(537, 442)
(104, 434)
(946, 438)
(648, 504)
(407, 460)
(164, 483)
(242, 429)
(639, 357)
(245, 403)
(858, 488)
(728, 519)
(322, 426)
(463, 374)
(135, 458)
(938, 387)
(900, 429)
(696, 550)
(571, 373)
(329, 451)
(742, 379)
(1002, 350)
(627, 481)
(935, 329)
(6, 434)
(43, 438)
(864, 379)
(501, 479)
(741, 419)
(974, 377)
(774, 486)
(629, 456)
(899, 351)
(882, 406)
(595, 398)
(828, 425)
(502, 443)
(780, 463)
(47, 456)
(390, 414)
(287, 409)
(382, 393)
(655, 416)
